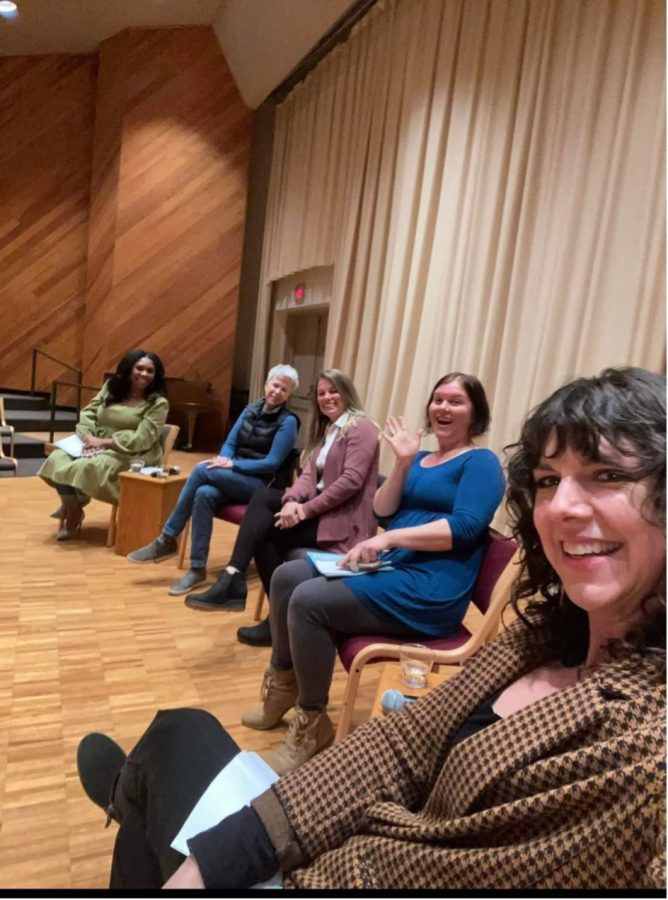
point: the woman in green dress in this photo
(122, 421)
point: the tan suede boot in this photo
(310, 732)
(278, 695)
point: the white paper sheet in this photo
(72, 445)
(326, 564)
(244, 778)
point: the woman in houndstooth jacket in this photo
(541, 765)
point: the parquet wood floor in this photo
(89, 642)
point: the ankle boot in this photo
(255, 635)
(229, 593)
(74, 516)
(310, 731)
(278, 695)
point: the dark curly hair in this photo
(475, 392)
(627, 407)
(118, 386)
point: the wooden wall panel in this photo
(167, 209)
(46, 132)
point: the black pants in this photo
(258, 536)
(163, 777)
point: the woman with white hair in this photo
(256, 453)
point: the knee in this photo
(207, 498)
(302, 607)
(179, 724)
(197, 476)
(263, 498)
(286, 578)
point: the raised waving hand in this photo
(404, 443)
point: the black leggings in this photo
(259, 538)
(167, 772)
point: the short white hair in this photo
(284, 371)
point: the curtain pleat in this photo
(487, 178)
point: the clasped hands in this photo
(291, 514)
(93, 445)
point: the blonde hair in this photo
(318, 422)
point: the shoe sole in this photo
(143, 562)
(213, 607)
(180, 591)
(261, 727)
(253, 643)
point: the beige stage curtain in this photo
(487, 179)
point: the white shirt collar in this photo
(341, 421)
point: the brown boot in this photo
(278, 695)
(310, 731)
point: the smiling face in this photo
(330, 401)
(277, 391)
(143, 373)
(594, 524)
(450, 414)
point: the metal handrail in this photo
(54, 391)
(33, 370)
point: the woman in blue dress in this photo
(439, 506)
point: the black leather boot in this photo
(256, 635)
(229, 593)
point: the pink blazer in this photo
(345, 506)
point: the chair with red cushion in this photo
(234, 513)
(490, 595)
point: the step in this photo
(25, 400)
(40, 419)
(25, 447)
(25, 467)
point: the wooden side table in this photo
(390, 677)
(143, 508)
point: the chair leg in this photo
(349, 697)
(259, 604)
(183, 546)
(111, 530)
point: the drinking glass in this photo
(416, 661)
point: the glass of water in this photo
(416, 661)
(136, 464)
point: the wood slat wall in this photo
(47, 107)
(167, 208)
(122, 199)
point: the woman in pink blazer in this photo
(329, 507)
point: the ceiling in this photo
(277, 32)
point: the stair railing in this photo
(54, 393)
(33, 369)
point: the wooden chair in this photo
(168, 438)
(490, 595)
(8, 463)
(6, 431)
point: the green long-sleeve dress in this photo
(134, 430)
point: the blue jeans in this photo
(205, 491)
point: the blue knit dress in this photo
(430, 591)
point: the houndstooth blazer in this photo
(569, 792)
